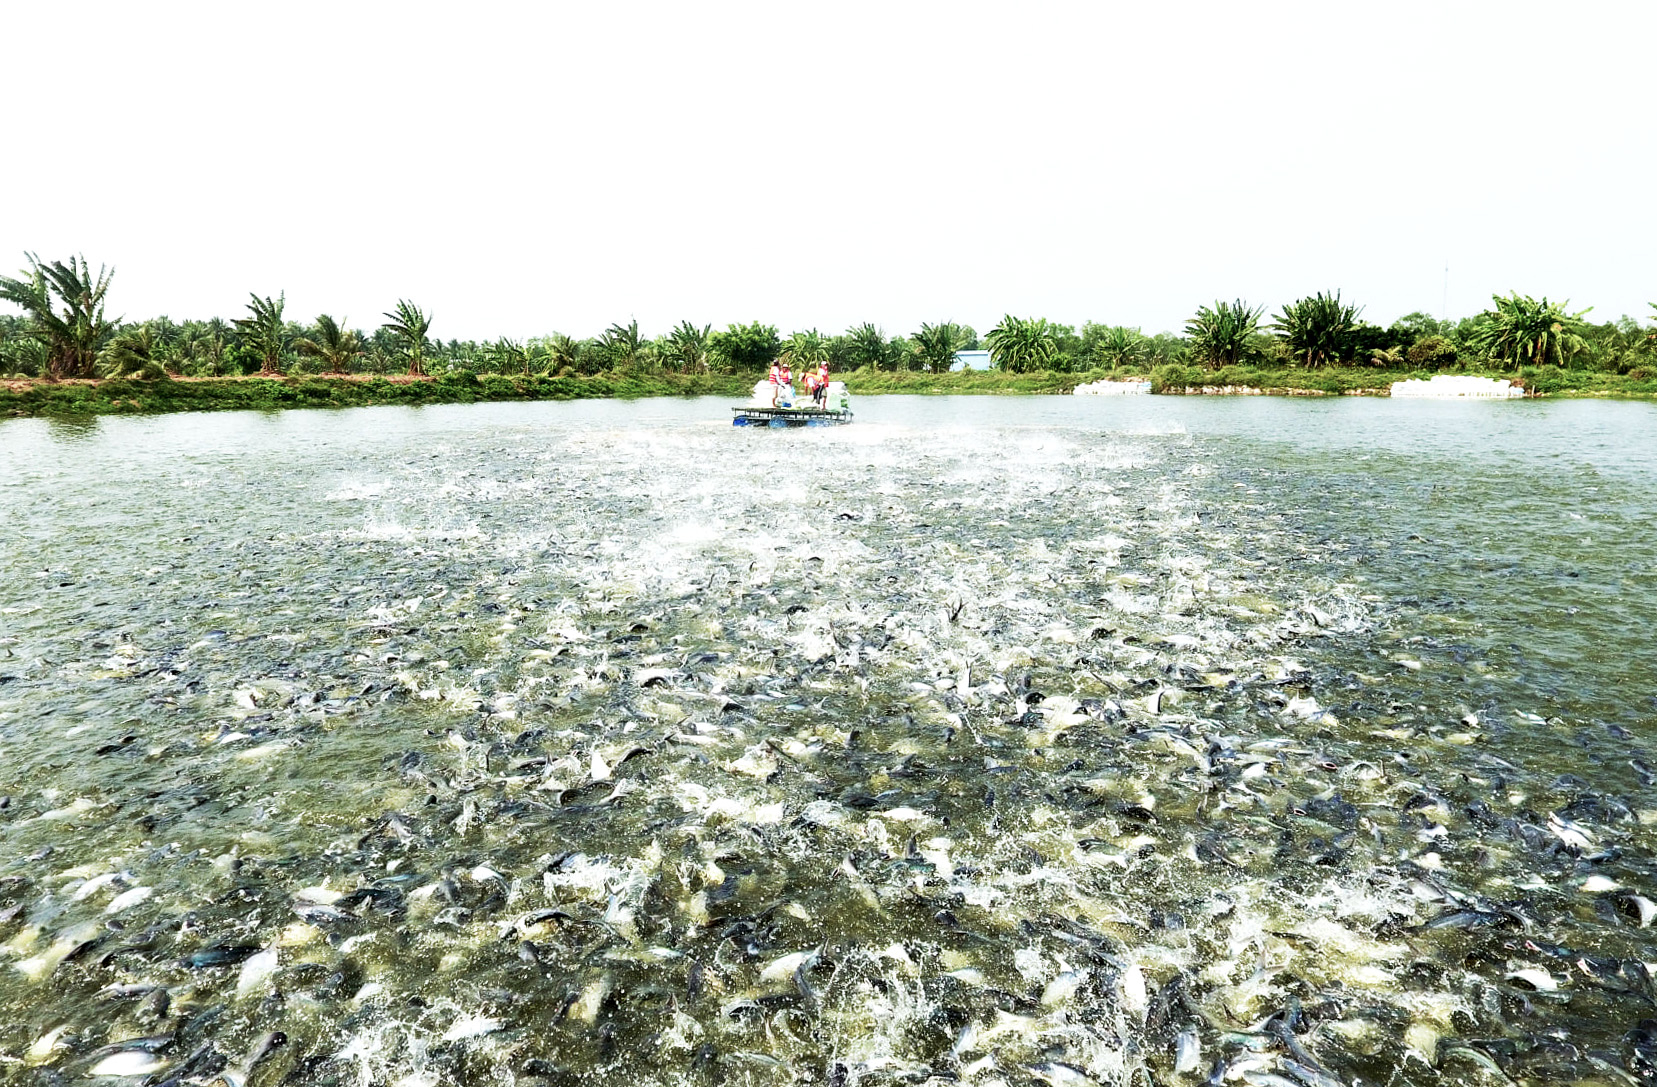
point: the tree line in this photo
(64, 331)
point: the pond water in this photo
(986, 740)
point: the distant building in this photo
(971, 360)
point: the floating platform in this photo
(790, 417)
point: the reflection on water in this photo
(71, 429)
(986, 740)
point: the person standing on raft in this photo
(819, 389)
(781, 378)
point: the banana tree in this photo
(75, 330)
(935, 345)
(1020, 345)
(623, 347)
(867, 346)
(1524, 331)
(1223, 335)
(804, 350)
(1317, 330)
(264, 333)
(687, 347)
(1115, 347)
(409, 326)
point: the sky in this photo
(520, 169)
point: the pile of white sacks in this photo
(1458, 385)
(1114, 388)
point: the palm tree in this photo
(409, 326)
(1224, 334)
(935, 345)
(1116, 347)
(563, 353)
(77, 330)
(1019, 345)
(511, 354)
(203, 346)
(1316, 330)
(23, 356)
(622, 345)
(138, 351)
(867, 346)
(1524, 331)
(333, 344)
(264, 332)
(687, 346)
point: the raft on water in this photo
(788, 417)
(761, 412)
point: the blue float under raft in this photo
(790, 417)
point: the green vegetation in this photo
(1317, 331)
(74, 334)
(263, 332)
(1020, 346)
(1225, 334)
(125, 396)
(64, 341)
(1523, 331)
(410, 327)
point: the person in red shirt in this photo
(819, 391)
(775, 378)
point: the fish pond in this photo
(1139, 740)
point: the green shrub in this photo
(1173, 375)
(1435, 352)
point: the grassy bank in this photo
(121, 396)
(1287, 381)
(1341, 381)
(118, 396)
(875, 382)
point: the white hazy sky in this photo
(523, 168)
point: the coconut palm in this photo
(135, 351)
(935, 345)
(1223, 335)
(1524, 331)
(687, 347)
(408, 325)
(563, 353)
(333, 345)
(264, 332)
(203, 346)
(23, 355)
(76, 330)
(1316, 330)
(1020, 345)
(508, 355)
